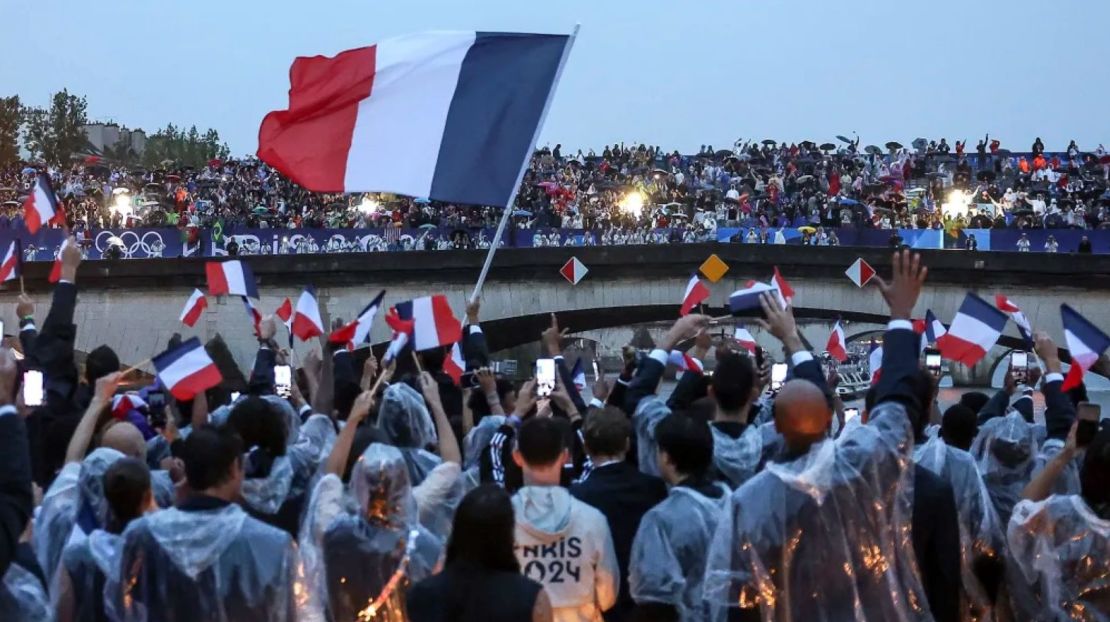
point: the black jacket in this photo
(16, 501)
(936, 543)
(623, 494)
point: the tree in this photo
(58, 133)
(11, 117)
(184, 148)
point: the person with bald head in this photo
(823, 531)
(125, 438)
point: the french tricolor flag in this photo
(12, 264)
(56, 269)
(744, 338)
(401, 330)
(41, 206)
(434, 325)
(934, 329)
(187, 370)
(875, 361)
(973, 332)
(123, 404)
(454, 365)
(445, 115)
(285, 311)
(194, 307)
(578, 374)
(787, 292)
(306, 316)
(358, 331)
(255, 315)
(1010, 308)
(1086, 343)
(684, 362)
(837, 345)
(747, 299)
(230, 278)
(696, 293)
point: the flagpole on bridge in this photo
(508, 211)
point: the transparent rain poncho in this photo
(356, 550)
(1059, 561)
(981, 533)
(649, 412)
(405, 420)
(737, 459)
(23, 598)
(826, 536)
(667, 564)
(1006, 452)
(75, 499)
(206, 565)
(86, 568)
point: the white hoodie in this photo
(565, 545)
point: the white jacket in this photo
(565, 545)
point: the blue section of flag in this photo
(1091, 336)
(983, 311)
(503, 86)
(747, 299)
(169, 357)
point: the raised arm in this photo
(900, 359)
(780, 323)
(1044, 482)
(341, 450)
(650, 370)
(102, 398)
(552, 338)
(16, 499)
(448, 444)
(1059, 412)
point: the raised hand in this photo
(25, 307)
(684, 328)
(552, 337)
(902, 292)
(1045, 348)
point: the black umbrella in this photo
(808, 144)
(827, 146)
(843, 139)
(872, 149)
(894, 145)
(660, 171)
(768, 141)
(920, 143)
(722, 153)
(985, 176)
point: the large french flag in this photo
(695, 294)
(11, 266)
(445, 115)
(747, 299)
(1009, 307)
(194, 306)
(837, 347)
(306, 316)
(232, 278)
(358, 331)
(1086, 343)
(434, 325)
(41, 206)
(187, 370)
(973, 332)
(934, 329)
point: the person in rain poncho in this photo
(823, 532)
(669, 552)
(405, 420)
(737, 446)
(78, 590)
(1060, 544)
(191, 562)
(281, 457)
(368, 556)
(23, 596)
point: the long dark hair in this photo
(482, 535)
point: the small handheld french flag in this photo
(12, 265)
(454, 365)
(434, 325)
(578, 374)
(780, 283)
(1086, 343)
(974, 331)
(934, 329)
(401, 330)
(1008, 307)
(231, 278)
(875, 361)
(696, 293)
(747, 299)
(358, 331)
(194, 306)
(255, 315)
(56, 269)
(306, 317)
(41, 206)
(684, 362)
(187, 370)
(836, 347)
(744, 338)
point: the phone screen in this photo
(156, 400)
(545, 377)
(1019, 360)
(283, 380)
(850, 413)
(778, 375)
(932, 361)
(1088, 415)
(235, 396)
(32, 388)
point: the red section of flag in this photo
(453, 365)
(217, 282)
(285, 311)
(344, 334)
(836, 345)
(696, 293)
(784, 287)
(309, 141)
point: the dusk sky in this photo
(677, 74)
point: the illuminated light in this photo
(632, 204)
(957, 204)
(368, 205)
(121, 206)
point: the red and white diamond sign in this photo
(860, 272)
(573, 270)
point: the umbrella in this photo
(804, 178)
(422, 201)
(115, 241)
(16, 203)
(843, 139)
(522, 212)
(827, 146)
(807, 229)
(660, 171)
(124, 190)
(847, 201)
(166, 163)
(678, 215)
(892, 145)
(808, 144)
(722, 153)
(985, 176)
(28, 170)
(91, 159)
(768, 141)
(173, 177)
(214, 162)
(427, 225)
(260, 210)
(1104, 159)
(919, 143)
(872, 149)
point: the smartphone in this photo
(850, 413)
(932, 361)
(1019, 365)
(283, 380)
(235, 396)
(156, 401)
(1085, 431)
(545, 377)
(778, 376)
(758, 358)
(32, 387)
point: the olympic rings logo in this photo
(150, 244)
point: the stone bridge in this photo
(134, 304)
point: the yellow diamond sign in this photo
(713, 268)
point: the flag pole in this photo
(508, 212)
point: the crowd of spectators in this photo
(367, 491)
(624, 192)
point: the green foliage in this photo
(11, 117)
(56, 134)
(183, 147)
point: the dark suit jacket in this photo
(936, 543)
(623, 494)
(16, 502)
